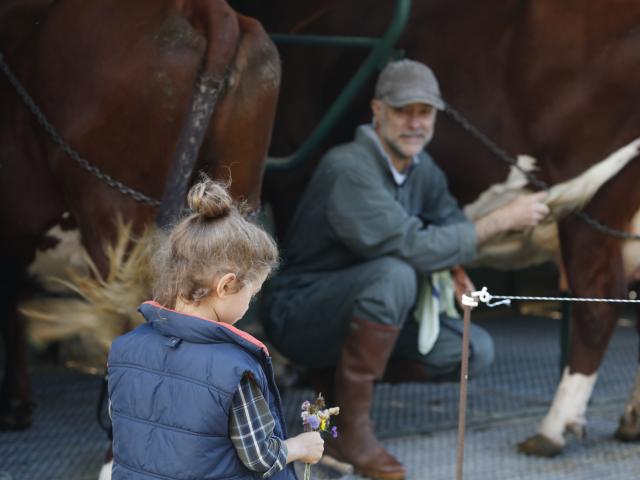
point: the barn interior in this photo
(417, 422)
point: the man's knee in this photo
(444, 361)
(390, 292)
(401, 279)
(483, 351)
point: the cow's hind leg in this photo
(629, 428)
(594, 269)
(15, 394)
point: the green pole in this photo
(324, 41)
(378, 56)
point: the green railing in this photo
(382, 51)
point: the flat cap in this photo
(407, 81)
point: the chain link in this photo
(533, 179)
(142, 198)
(75, 156)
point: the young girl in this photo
(191, 395)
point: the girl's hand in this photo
(306, 447)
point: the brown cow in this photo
(125, 84)
(554, 80)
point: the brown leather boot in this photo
(364, 356)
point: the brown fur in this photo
(116, 79)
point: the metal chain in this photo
(142, 198)
(75, 156)
(592, 222)
(533, 179)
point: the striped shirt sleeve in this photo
(251, 430)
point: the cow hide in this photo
(540, 244)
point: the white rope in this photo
(485, 297)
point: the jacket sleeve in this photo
(440, 207)
(251, 428)
(369, 221)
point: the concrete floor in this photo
(416, 421)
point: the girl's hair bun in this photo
(210, 199)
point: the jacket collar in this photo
(190, 328)
(367, 136)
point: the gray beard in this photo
(393, 147)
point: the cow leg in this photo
(594, 268)
(592, 328)
(567, 414)
(629, 428)
(15, 392)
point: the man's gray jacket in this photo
(353, 210)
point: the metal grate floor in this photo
(416, 421)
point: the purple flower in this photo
(313, 421)
(334, 432)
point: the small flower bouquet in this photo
(317, 418)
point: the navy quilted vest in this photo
(171, 383)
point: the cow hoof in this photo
(629, 427)
(540, 446)
(16, 417)
(579, 431)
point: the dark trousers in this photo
(306, 316)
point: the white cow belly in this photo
(522, 249)
(569, 406)
(56, 262)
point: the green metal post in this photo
(378, 56)
(326, 41)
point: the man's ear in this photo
(376, 107)
(224, 286)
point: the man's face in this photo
(405, 130)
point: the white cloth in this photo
(436, 295)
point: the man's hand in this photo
(462, 283)
(526, 211)
(523, 212)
